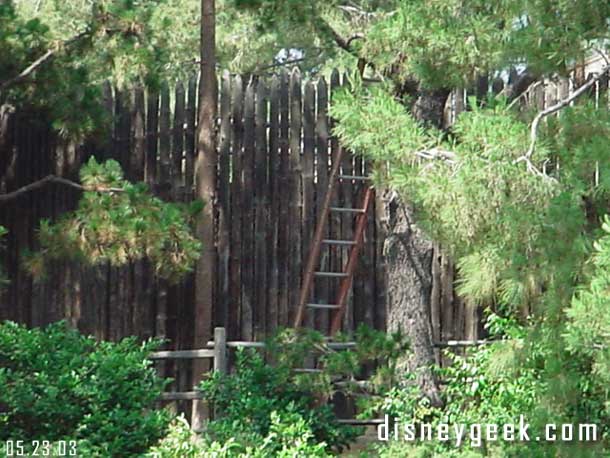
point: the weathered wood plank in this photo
(152, 126)
(237, 99)
(221, 311)
(181, 396)
(138, 152)
(189, 136)
(343, 225)
(368, 266)
(182, 354)
(308, 222)
(247, 277)
(137, 294)
(295, 191)
(178, 140)
(262, 209)
(164, 137)
(335, 260)
(273, 267)
(322, 293)
(164, 177)
(284, 240)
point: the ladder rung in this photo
(323, 306)
(338, 242)
(330, 274)
(354, 177)
(307, 371)
(348, 210)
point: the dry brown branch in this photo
(527, 157)
(554, 108)
(54, 179)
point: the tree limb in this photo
(28, 70)
(342, 42)
(40, 61)
(554, 108)
(523, 94)
(54, 179)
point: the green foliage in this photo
(588, 329)
(273, 401)
(288, 437)
(521, 241)
(119, 227)
(494, 384)
(249, 399)
(60, 385)
(110, 39)
(448, 43)
(440, 42)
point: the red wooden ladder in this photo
(346, 275)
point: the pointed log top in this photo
(284, 74)
(261, 87)
(275, 81)
(335, 77)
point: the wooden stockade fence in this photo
(275, 151)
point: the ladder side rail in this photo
(351, 262)
(314, 254)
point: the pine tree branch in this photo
(527, 157)
(40, 61)
(54, 179)
(340, 41)
(555, 108)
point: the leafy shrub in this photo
(288, 437)
(60, 385)
(269, 403)
(256, 400)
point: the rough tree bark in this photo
(408, 257)
(205, 189)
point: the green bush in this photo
(60, 385)
(258, 399)
(288, 437)
(271, 410)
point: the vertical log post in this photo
(220, 350)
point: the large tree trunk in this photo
(408, 255)
(205, 189)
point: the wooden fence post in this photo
(220, 356)
(220, 350)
